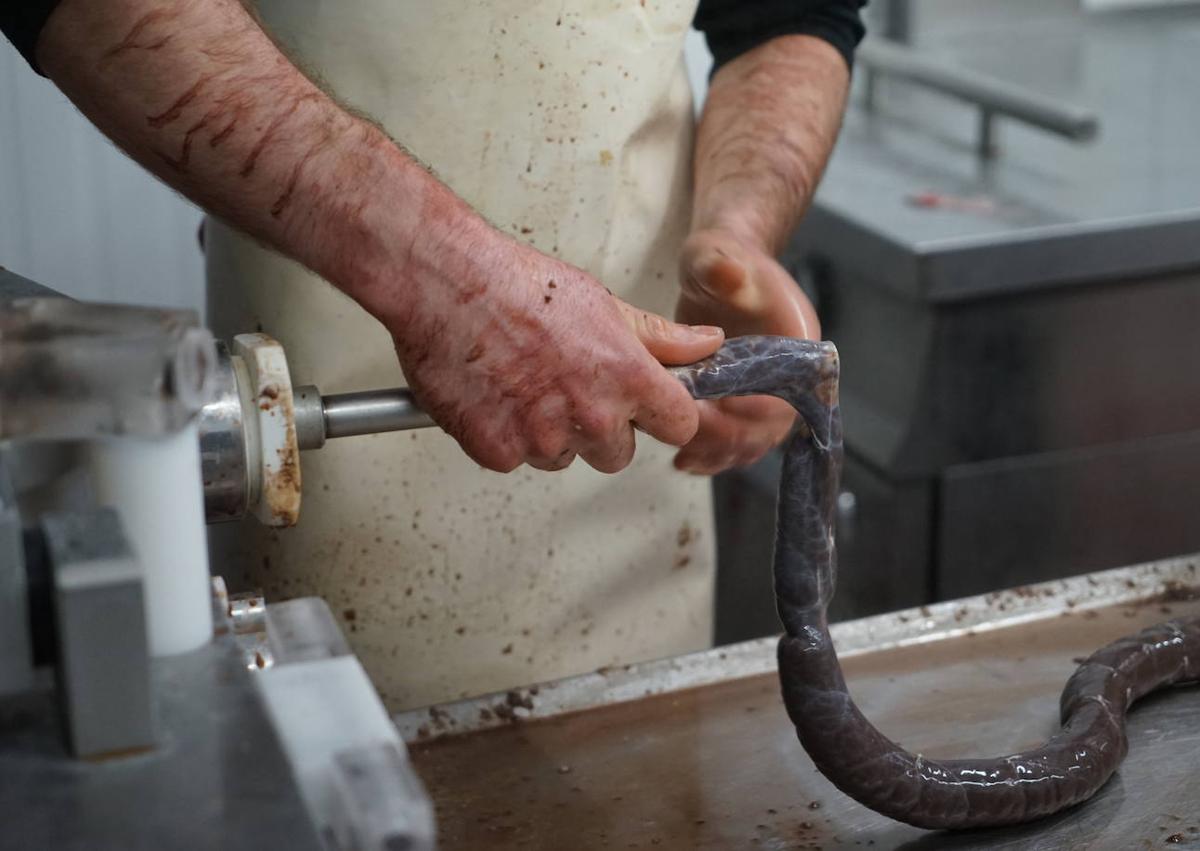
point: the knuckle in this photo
(552, 465)
(618, 465)
(547, 448)
(612, 454)
(679, 425)
(546, 441)
(596, 421)
(492, 452)
(507, 464)
(501, 459)
(610, 463)
(654, 325)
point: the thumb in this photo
(669, 342)
(716, 270)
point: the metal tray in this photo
(696, 752)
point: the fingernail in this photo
(686, 333)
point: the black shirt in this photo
(732, 27)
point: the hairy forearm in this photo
(520, 357)
(196, 92)
(769, 123)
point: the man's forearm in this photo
(769, 123)
(198, 93)
(519, 356)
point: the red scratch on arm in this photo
(272, 129)
(176, 109)
(130, 42)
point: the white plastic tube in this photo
(155, 487)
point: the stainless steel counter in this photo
(1044, 211)
(696, 752)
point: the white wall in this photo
(76, 214)
(79, 216)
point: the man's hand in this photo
(730, 282)
(522, 358)
(769, 124)
(534, 361)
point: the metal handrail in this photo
(880, 57)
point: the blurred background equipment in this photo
(1008, 257)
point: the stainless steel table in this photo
(696, 752)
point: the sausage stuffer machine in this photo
(142, 704)
(256, 425)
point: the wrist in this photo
(747, 227)
(407, 241)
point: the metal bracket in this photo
(345, 753)
(100, 619)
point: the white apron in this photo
(569, 124)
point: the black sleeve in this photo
(21, 21)
(733, 27)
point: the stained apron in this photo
(569, 125)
